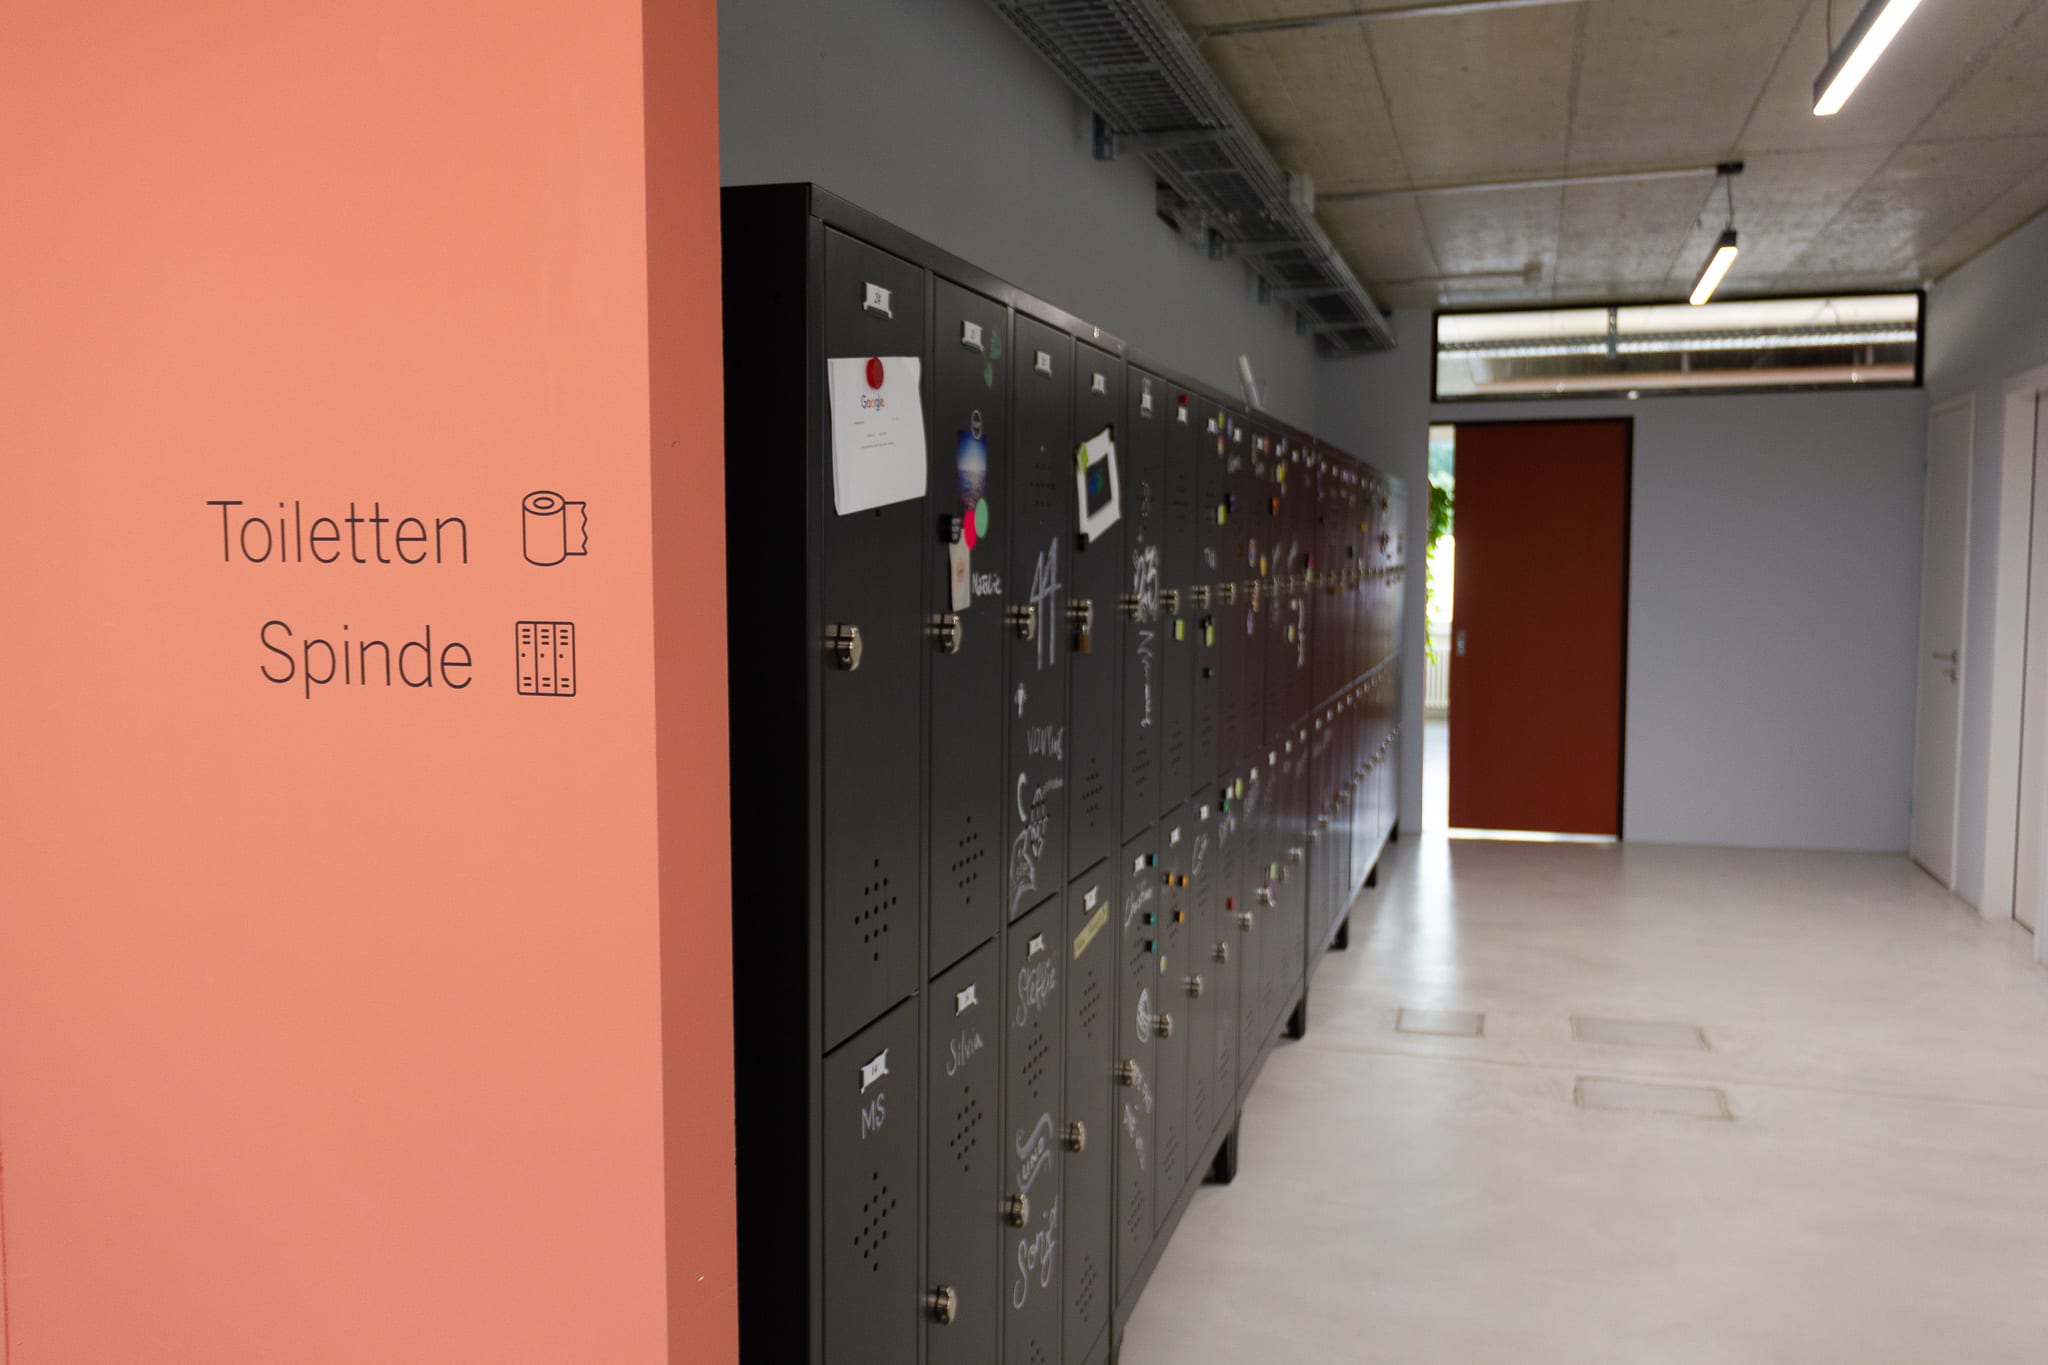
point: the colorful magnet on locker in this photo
(874, 372)
(981, 519)
(1180, 630)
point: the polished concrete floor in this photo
(1878, 1191)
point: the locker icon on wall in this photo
(547, 658)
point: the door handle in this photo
(1953, 658)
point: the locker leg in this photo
(1372, 878)
(1394, 834)
(1223, 1169)
(1297, 1022)
(1343, 937)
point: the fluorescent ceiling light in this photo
(1717, 268)
(1865, 42)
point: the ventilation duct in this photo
(1152, 93)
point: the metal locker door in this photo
(1237, 626)
(1230, 947)
(1280, 554)
(1246, 666)
(1320, 808)
(869, 1115)
(1094, 627)
(1212, 517)
(1034, 1228)
(964, 1162)
(969, 440)
(873, 674)
(1323, 641)
(1169, 1021)
(1256, 928)
(1292, 856)
(1146, 644)
(1197, 969)
(1177, 612)
(1088, 1159)
(1135, 1047)
(1039, 522)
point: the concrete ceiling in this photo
(1942, 151)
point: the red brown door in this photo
(1540, 626)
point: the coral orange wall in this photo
(348, 1023)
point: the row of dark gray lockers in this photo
(1031, 871)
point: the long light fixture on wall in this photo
(1862, 45)
(1722, 258)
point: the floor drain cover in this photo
(1441, 1023)
(1642, 1097)
(1635, 1033)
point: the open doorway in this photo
(1526, 610)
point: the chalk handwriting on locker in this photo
(1075, 700)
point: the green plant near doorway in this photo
(1440, 504)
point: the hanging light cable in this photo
(1723, 256)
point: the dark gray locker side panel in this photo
(1039, 521)
(1088, 1148)
(869, 1116)
(1034, 1229)
(1169, 1015)
(871, 736)
(1145, 649)
(964, 1160)
(1135, 1047)
(969, 440)
(1179, 574)
(1094, 634)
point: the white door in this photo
(1944, 566)
(2033, 831)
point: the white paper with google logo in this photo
(878, 452)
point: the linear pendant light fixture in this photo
(1723, 257)
(1864, 43)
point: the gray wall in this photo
(937, 116)
(1773, 598)
(1985, 323)
(1776, 541)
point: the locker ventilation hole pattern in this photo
(966, 1130)
(1094, 789)
(1046, 488)
(1036, 1054)
(1137, 1218)
(1199, 1102)
(1089, 1013)
(967, 856)
(878, 1209)
(1169, 1158)
(878, 908)
(1086, 1286)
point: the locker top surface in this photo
(818, 202)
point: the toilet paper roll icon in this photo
(553, 528)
